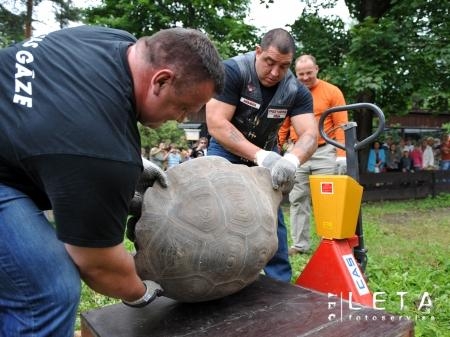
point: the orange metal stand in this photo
(334, 270)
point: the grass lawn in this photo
(408, 246)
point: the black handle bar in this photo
(357, 106)
(351, 147)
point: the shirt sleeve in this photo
(303, 101)
(233, 84)
(89, 197)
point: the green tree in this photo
(65, 12)
(222, 20)
(11, 26)
(169, 132)
(395, 54)
(326, 38)
(401, 56)
(18, 24)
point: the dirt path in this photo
(428, 226)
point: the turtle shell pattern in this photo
(210, 232)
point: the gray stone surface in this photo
(209, 233)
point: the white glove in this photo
(266, 158)
(341, 165)
(283, 173)
(152, 290)
(282, 169)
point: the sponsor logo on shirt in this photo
(24, 75)
(277, 113)
(248, 102)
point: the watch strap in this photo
(152, 290)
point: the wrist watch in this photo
(149, 296)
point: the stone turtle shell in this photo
(210, 233)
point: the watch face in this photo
(144, 300)
(148, 297)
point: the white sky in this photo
(283, 12)
(44, 15)
(278, 15)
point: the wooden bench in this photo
(264, 308)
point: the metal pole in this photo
(351, 147)
(359, 251)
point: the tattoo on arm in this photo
(307, 143)
(235, 135)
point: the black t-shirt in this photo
(68, 133)
(233, 90)
(234, 82)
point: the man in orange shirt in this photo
(326, 160)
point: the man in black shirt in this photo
(243, 121)
(70, 103)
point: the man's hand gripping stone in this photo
(282, 169)
(149, 175)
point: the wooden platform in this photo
(265, 308)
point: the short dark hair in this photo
(188, 51)
(280, 39)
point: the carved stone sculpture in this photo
(210, 232)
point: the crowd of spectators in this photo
(410, 155)
(169, 155)
(404, 155)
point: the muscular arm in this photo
(90, 198)
(109, 271)
(283, 132)
(306, 127)
(218, 119)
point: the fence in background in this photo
(402, 185)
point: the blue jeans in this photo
(445, 165)
(278, 267)
(39, 284)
